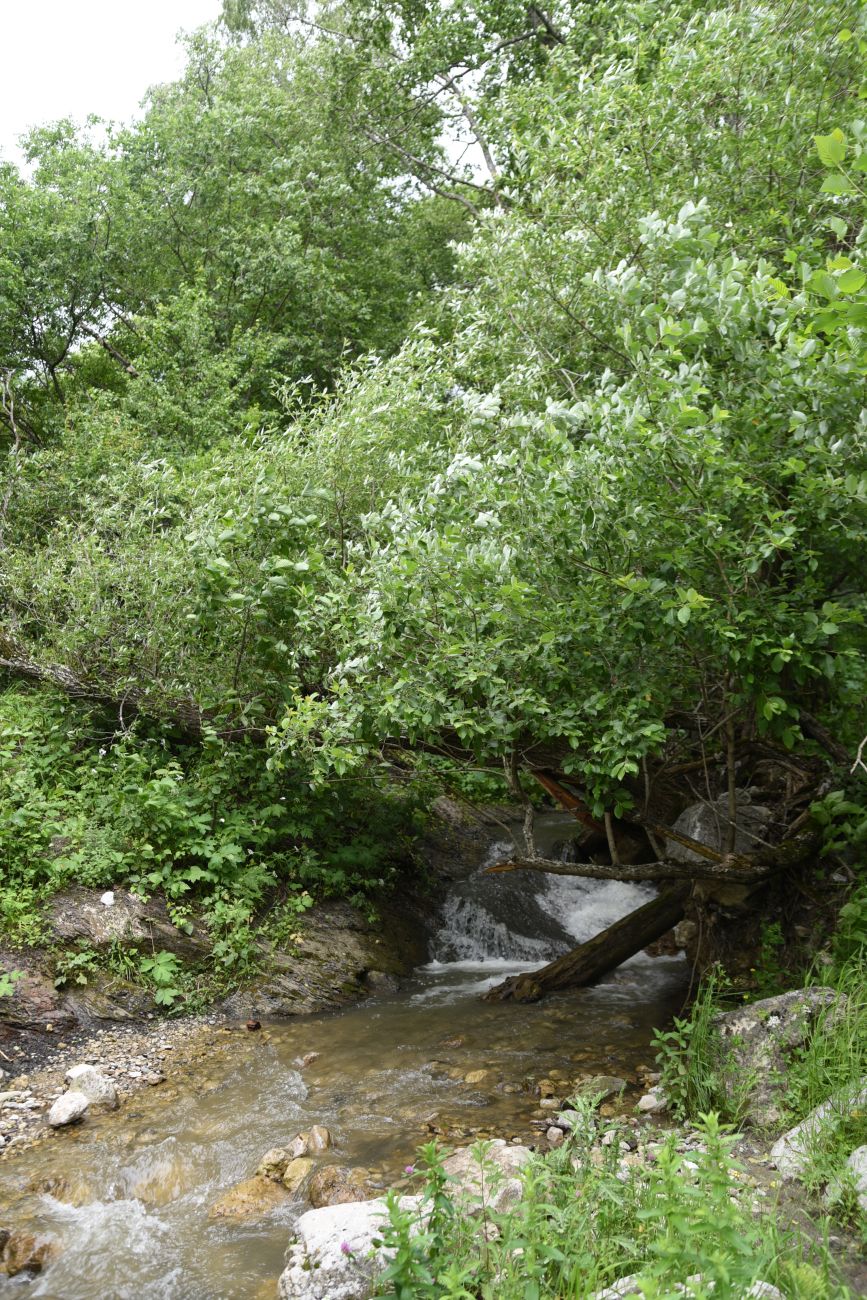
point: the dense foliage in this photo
(328, 444)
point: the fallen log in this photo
(182, 714)
(590, 961)
(734, 868)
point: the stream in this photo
(390, 1073)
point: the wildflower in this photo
(345, 1248)
(410, 1169)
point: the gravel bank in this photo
(33, 1066)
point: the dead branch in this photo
(734, 868)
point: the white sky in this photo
(68, 58)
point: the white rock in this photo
(626, 1287)
(652, 1103)
(492, 1185)
(576, 1121)
(67, 1109)
(107, 899)
(98, 1090)
(791, 1152)
(555, 1136)
(334, 1256)
(857, 1163)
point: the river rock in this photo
(492, 1184)
(67, 1109)
(163, 1182)
(99, 1091)
(791, 1152)
(273, 1164)
(599, 1086)
(337, 1185)
(79, 913)
(24, 1253)
(379, 981)
(652, 1103)
(251, 1199)
(756, 1041)
(336, 1254)
(318, 1139)
(708, 823)
(555, 1136)
(296, 1172)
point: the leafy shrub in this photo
(585, 1221)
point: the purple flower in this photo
(410, 1169)
(346, 1248)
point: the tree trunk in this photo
(591, 960)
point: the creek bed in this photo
(127, 1195)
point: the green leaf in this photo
(684, 614)
(831, 148)
(823, 283)
(838, 225)
(851, 281)
(837, 183)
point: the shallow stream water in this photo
(389, 1075)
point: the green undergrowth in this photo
(697, 1073)
(585, 1221)
(214, 829)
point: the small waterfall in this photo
(499, 918)
(495, 923)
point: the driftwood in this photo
(591, 960)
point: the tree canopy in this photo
(330, 441)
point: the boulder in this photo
(492, 1183)
(791, 1152)
(709, 822)
(337, 1254)
(380, 981)
(99, 1091)
(755, 1044)
(338, 1185)
(334, 946)
(579, 1122)
(111, 998)
(251, 1199)
(67, 1109)
(117, 916)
